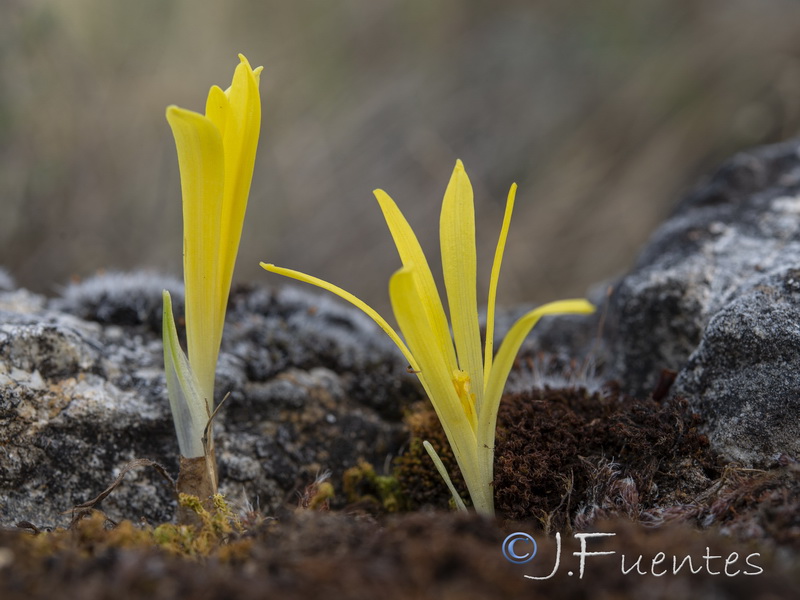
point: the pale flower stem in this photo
(443, 472)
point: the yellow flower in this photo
(463, 381)
(216, 154)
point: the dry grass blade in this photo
(138, 462)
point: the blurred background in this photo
(603, 111)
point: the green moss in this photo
(363, 485)
(218, 529)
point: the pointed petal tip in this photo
(243, 60)
(174, 109)
(460, 176)
(176, 113)
(381, 196)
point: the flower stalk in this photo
(216, 154)
(464, 381)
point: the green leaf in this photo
(189, 410)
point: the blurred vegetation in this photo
(603, 111)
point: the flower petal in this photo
(436, 378)
(218, 109)
(345, 295)
(459, 265)
(411, 253)
(504, 360)
(434, 373)
(240, 139)
(498, 259)
(200, 158)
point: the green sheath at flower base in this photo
(185, 400)
(463, 381)
(216, 154)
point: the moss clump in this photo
(216, 528)
(567, 457)
(750, 503)
(318, 495)
(364, 487)
(95, 533)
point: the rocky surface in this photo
(314, 387)
(715, 296)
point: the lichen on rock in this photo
(313, 386)
(714, 297)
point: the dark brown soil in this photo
(421, 555)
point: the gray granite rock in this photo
(121, 298)
(744, 375)
(714, 297)
(314, 387)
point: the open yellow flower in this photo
(463, 380)
(216, 154)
